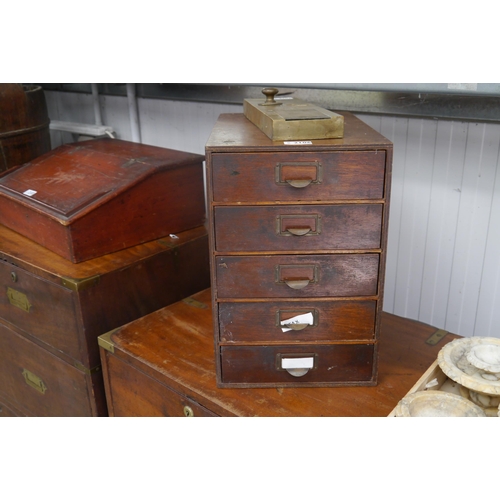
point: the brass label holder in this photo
(298, 174)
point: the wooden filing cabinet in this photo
(52, 311)
(297, 228)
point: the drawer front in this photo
(40, 308)
(8, 410)
(307, 176)
(311, 321)
(39, 382)
(275, 364)
(297, 276)
(298, 228)
(131, 393)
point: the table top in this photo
(175, 346)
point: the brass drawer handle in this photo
(34, 381)
(297, 284)
(18, 299)
(298, 224)
(299, 183)
(296, 319)
(296, 276)
(299, 231)
(298, 174)
(297, 326)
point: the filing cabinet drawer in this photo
(341, 363)
(330, 320)
(293, 176)
(298, 227)
(275, 276)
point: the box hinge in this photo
(77, 285)
(194, 303)
(436, 337)
(84, 369)
(105, 341)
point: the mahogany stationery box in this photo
(88, 199)
(298, 237)
(52, 311)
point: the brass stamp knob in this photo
(270, 92)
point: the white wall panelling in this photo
(443, 262)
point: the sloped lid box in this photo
(88, 199)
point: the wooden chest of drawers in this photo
(52, 311)
(298, 229)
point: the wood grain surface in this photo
(173, 348)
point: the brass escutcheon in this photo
(188, 411)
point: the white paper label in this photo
(29, 192)
(287, 363)
(294, 143)
(302, 319)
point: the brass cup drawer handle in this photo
(297, 319)
(297, 326)
(299, 231)
(298, 224)
(298, 183)
(296, 276)
(298, 174)
(297, 367)
(297, 284)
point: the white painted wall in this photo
(443, 263)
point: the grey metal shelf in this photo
(415, 100)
